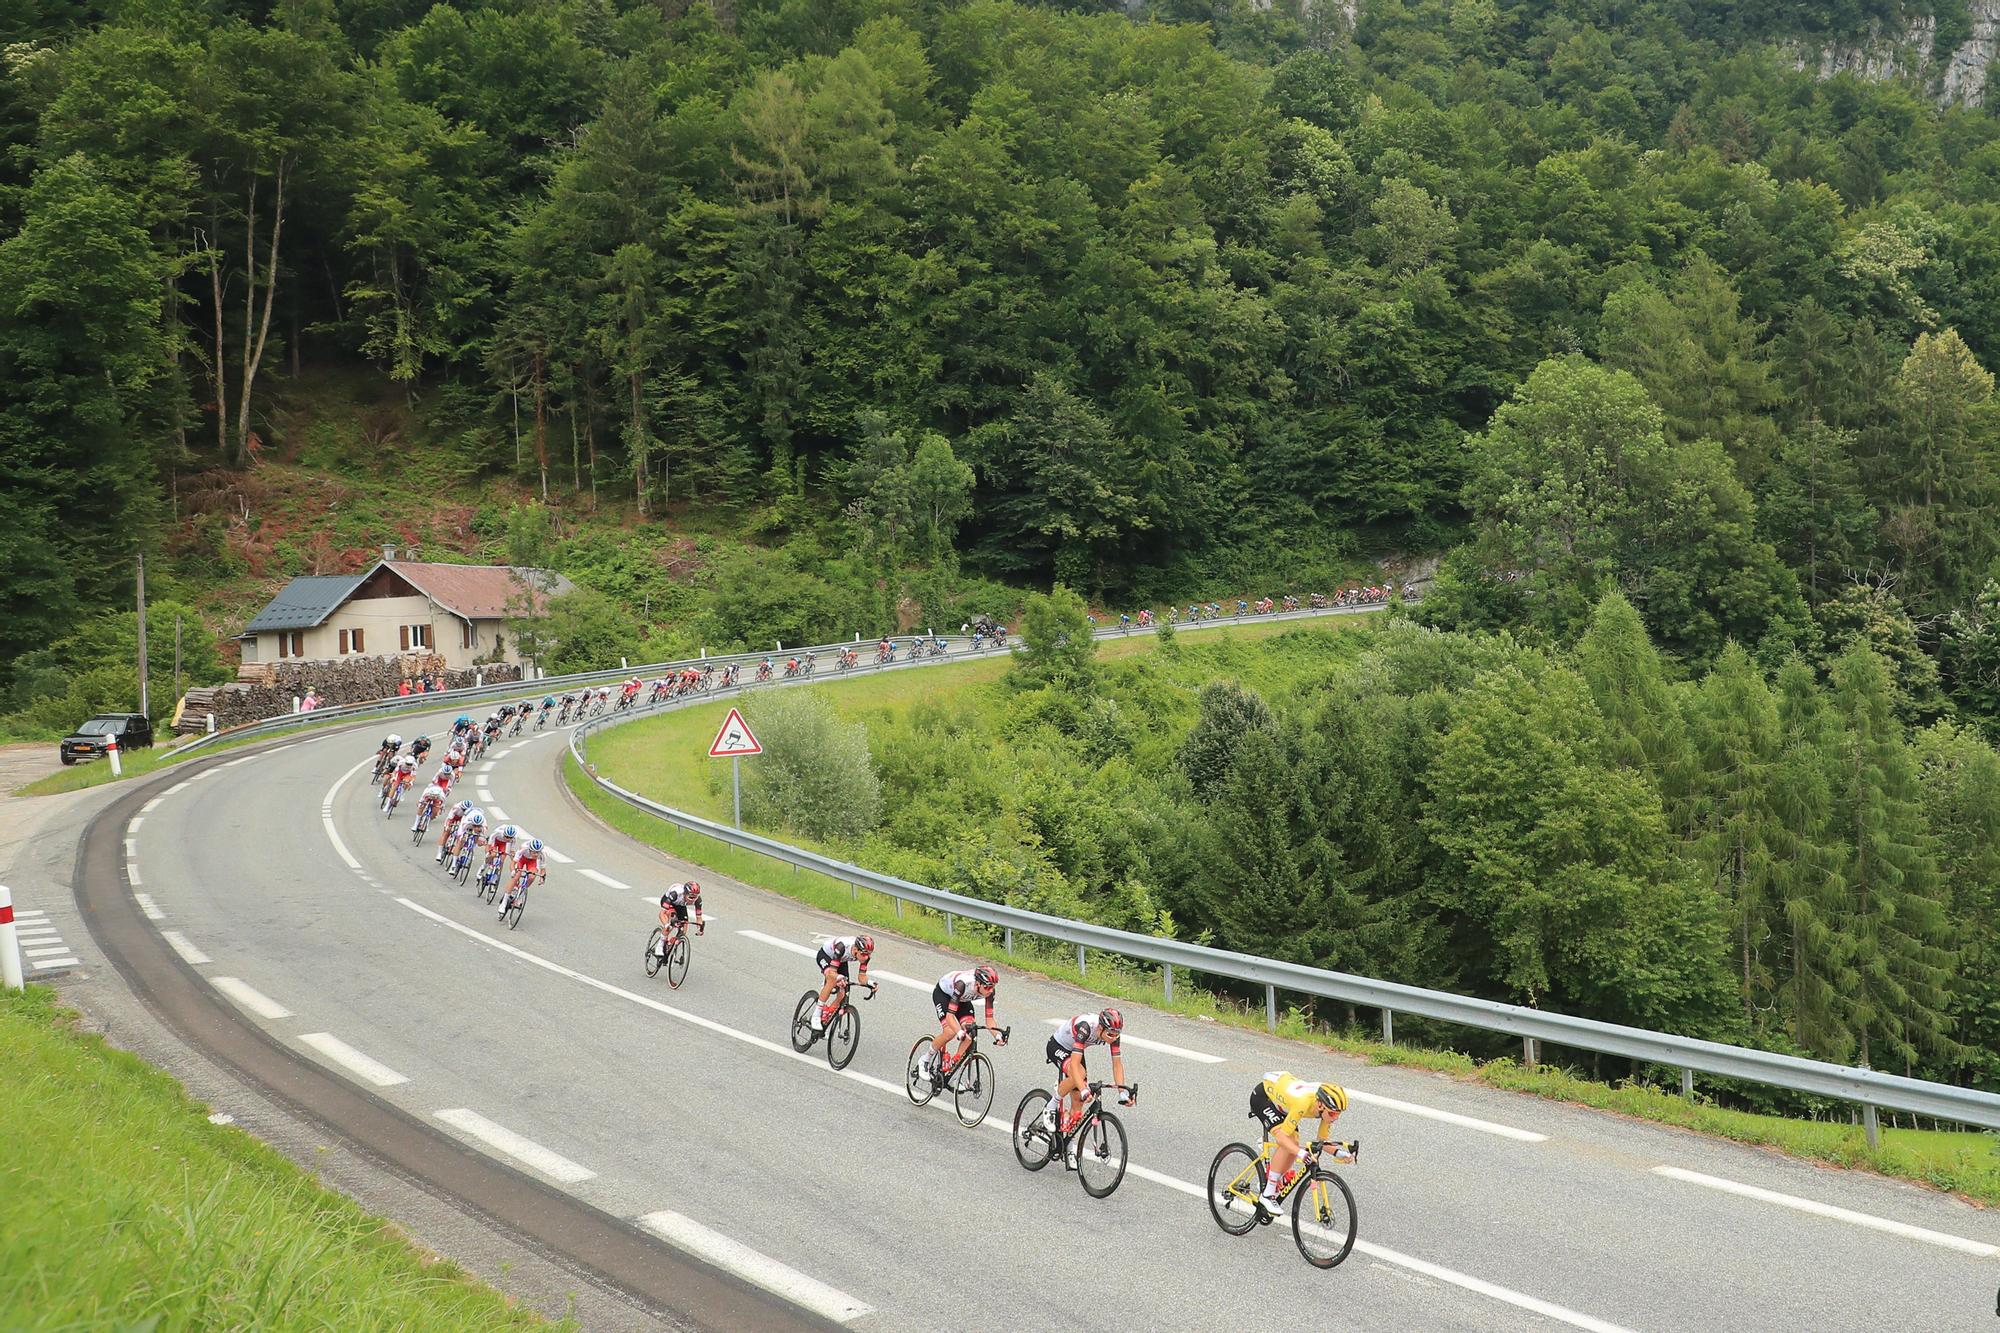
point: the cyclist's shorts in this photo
(947, 1004)
(1267, 1112)
(825, 962)
(680, 911)
(1058, 1056)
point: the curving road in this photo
(670, 1143)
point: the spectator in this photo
(403, 687)
(310, 702)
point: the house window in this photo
(415, 636)
(465, 637)
(298, 643)
(345, 647)
(291, 643)
(357, 641)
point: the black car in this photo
(133, 730)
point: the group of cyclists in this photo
(513, 857)
(1200, 612)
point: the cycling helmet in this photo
(694, 892)
(462, 720)
(1110, 1020)
(465, 807)
(393, 739)
(984, 975)
(476, 818)
(509, 832)
(1333, 1097)
(534, 846)
(864, 945)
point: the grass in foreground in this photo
(122, 1206)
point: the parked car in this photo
(133, 730)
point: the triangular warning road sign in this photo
(734, 738)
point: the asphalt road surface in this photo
(683, 1120)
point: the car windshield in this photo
(98, 726)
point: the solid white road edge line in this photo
(604, 879)
(184, 948)
(1817, 1209)
(326, 813)
(148, 906)
(874, 973)
(1450, 1117)
(759, 1270)
(338, 1051)
(251, 998)
(525, 1151)
(1463, 1281)
(1147, 1044)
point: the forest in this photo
(1656, 339)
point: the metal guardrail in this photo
(558, 684)
(1867, 1087)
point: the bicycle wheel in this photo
(1235, 1178)
(843, 1036)
(1323, 1219)
(803, 1035)
(515, 912)
(914, 1083)
(493, 889)
(1101, 1154)
(1032, 1143)
(677, 962)
(653, 959)
(973, 1085)
(464, 868)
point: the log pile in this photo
(351, 680)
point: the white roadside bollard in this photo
(10, 943)
(111, 752)
(211, 724)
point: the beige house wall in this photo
(380, 620)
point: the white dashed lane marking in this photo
(251, 998)
(184, 948)
(523, 1150)
(603, 879)
(338, 1051)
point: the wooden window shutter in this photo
(298, 643)
(284, 645)
(357, 641)
(404, 632)
(343, 643)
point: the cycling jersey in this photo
(434, 793)
(406, 768)
(525, 866)
(954, 995)
(839, 952)
(1282, 1101)
(1084, 1030)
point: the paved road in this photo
(686, 1111)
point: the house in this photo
(456, 612)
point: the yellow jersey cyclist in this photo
(1281, 1103)
(1065, 1051)
(952, 998)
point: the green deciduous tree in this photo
(1057, 649)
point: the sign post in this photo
(732, 742)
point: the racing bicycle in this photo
(969, 1079)
(516, 902)
(423, 824)
(672, 953)
(488, 883)
(840, 1024)
(1092, 1144)
(1323, 1216)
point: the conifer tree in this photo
(1810, 971)
(1735, 739)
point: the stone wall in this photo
(351, 680)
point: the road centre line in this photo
(1939, 1238)
(1478, 1286)
(338, 1051)
(1145, 1043)
(895, 977)
(251, 998)
(604, 879)
(523, 1150)
(558, 857)
(500, 815)
(1449, 1117)
(759, 1270)
(146, 905)
(184, 948)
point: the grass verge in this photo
(657, 758)
(124, 1207)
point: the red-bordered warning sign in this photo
(734, 739)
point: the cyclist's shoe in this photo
(818, 1024)
(1268, 1208)
(1048, 1120)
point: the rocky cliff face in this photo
(1957, 76)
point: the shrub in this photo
(815, 776)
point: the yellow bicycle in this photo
(1322, 1206)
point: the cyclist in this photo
(1065, 1052)
(503, 841)
(832, 959)
(445, 776)
(398, 777)
(421, 748)
(674, 905)
(460, 725)
(528, 865)
(457, 817)
(952, 998)
(428, 805)
(385, 754)
(1280, 1104)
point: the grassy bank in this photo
(664, 758)
(124, 1207)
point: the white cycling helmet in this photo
(509, 832)
(394, 739)
(477, 817)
